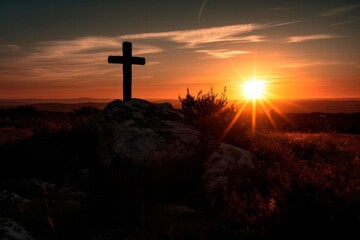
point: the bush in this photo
(23, 111)
(81, 115)
(208, 112)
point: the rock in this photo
(30, 212)
(223, 163)
(12, 204)
(82, 180)
(31, 188)
(155, 135)
(69, 200)
(146, 133)
(10, 230)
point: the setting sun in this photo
(254, 89)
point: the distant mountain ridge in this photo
(16, 102)
(67, 105)
(344, 105)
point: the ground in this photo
(306, 184)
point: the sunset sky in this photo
(59, 49)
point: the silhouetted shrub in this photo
(208, 112)
(82, 115)
(86, 110)
(23, 111)
(203, 104)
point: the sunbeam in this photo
(268, 115)
(232, 123)
(253, 116)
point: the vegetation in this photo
(304, 184)
(208, 112)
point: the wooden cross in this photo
(127, 60)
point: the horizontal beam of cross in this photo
(124, 60)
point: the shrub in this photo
(23, 111)
(208, 112)
(81, 115)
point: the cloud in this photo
(345, 22)
(201, 9)
(196, 37)
(10, 48)
(278, 9)
(339, 10)
(303, 38)
(84, 56)
(252, 38)
(88, 46)
(87, 56)
(317, 63)
(223, 53)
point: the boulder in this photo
(157, 135)
(10, 230)
(14, 205)
(146, 134)
(31, 188)
(224, 163)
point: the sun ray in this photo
(232, 123)
(278, 111)
(268, 115)
(253, 117)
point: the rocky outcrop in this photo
(155, 135)
(145, 133)
(36, 203)
(31, 188)
(10, 230)
(223, 164)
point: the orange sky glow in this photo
(314, 54)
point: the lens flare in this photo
(254, 89)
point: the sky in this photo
(59, 48)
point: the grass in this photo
(308, 184)
(304, 185)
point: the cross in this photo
(127, 60)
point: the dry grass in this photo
(304, 185)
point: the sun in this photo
(254, 89)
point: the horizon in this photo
(326, 106)
(59, 50)
(158, 99)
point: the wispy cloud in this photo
(345, 22)
(339, 10)
(86, 56)
(278, 9)
(88, 46)
(201, 9)
(193, 38)
(67, 58)
(9, 47)
(252, 38)
(317, 63)
(223, 53)
(304, 38)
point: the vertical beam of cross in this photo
(127, 60)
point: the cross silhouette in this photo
(127, 60)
